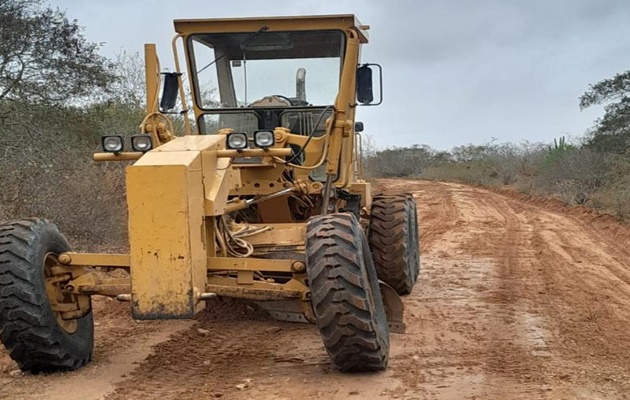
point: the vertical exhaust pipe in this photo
(300, 84)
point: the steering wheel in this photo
(276, 96)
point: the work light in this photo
(264, 139)
(237, 141)
(141, 142)
(112, 143)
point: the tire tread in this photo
(350, 317)
(25, 330)
(388, 235)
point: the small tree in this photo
(128, 86)
(44, 56)
(611, 132)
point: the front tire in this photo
(37, 338)
(345, 294)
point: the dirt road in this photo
(516, 300)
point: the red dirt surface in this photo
(518, 298)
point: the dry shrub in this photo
(572, 173)
(47, 171)
(86, 201)
(489, 164)
(473, 173)
(575, 175)
(615, 199)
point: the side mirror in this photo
(358, 127)
(365, 94)
(169, 91)
(365, 85)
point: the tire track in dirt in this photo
(443, 211)
(478, 259)
(518, 343)
(236, 352)
(585, 293)
(591, 297)
(493, 319)
(565, 269)
(120, 344)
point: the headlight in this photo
(237, 141)
(141, 142)
(112, 143)
(264, 139)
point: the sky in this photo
(455, 71)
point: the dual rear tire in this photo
(344, 268)
(393, 238)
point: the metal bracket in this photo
(290, 311)
(393, 308)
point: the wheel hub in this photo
(61, 301)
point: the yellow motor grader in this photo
(260, 199)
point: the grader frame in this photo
(189, 240)
(193, 174)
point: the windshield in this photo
(266, 69)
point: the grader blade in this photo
(288, 311)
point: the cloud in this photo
(456, 71)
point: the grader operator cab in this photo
(261, 200)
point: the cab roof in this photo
(296, 23)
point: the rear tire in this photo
(29, 328)
(393, 238)
(345, 294)
(416, 237)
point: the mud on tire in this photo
(345, 293)
(28, 325)
(393, 238)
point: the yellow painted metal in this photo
(156, 124)
(178, 191)
(217, 177)
(255, 153)
(60, 302)
(124, 156)
(95, 259)
(192, 143)
(278, 235)
(253, 293)
(91, 284)
(296, 23)
(218, 180)
(182, 92)
(245, 278)
(105, 289)
(257, 290)
(345, 107)
(275, 210)
(364, 189)
(95, 283)
(338, 150)
(165, 197)
(152, 77)
(213, 263)
(250, 264)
